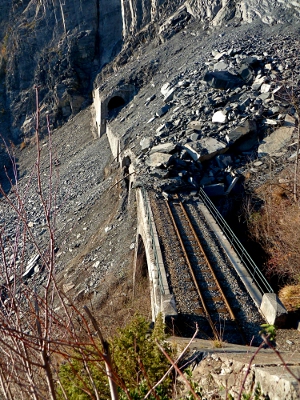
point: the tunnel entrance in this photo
(114, 105)
(108, 103)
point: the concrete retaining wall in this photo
(268, 304)
(114, 143)
(222, 371)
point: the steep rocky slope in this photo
(62, 45)
(95, 218)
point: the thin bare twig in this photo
(174, 365)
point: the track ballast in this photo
(205, 285)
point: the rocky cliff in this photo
(61, 45)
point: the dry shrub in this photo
(277, 227)
(22, 146)
(290, 297)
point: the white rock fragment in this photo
(165, 88)
(258, 82)
(219, 117)
(265, 88)
(169, 95)
(96, 264)
(30, 266)
(268, 121)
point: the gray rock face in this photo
(51, 45)
(269, 12)
(62, 45)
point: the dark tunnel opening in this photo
(114, 105)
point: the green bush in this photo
(137, 361)
(75, 380)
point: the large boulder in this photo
(205, 149)
(278, 139)
(222, 80)
(163, 148)
(157, 160)
(244, 137)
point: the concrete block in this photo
(273, 310)
(168, 307)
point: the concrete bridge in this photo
(107, 103)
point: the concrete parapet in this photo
(273, 310)
(161, 298)
(242, 272)
(168, 307)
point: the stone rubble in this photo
(230, 102)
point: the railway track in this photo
(204, 284)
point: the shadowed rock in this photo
(222, 80)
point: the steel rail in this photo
(207, 314)
(208, 262)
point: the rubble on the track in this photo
(228, 98)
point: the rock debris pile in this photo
(233, 108)
(88, 228)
